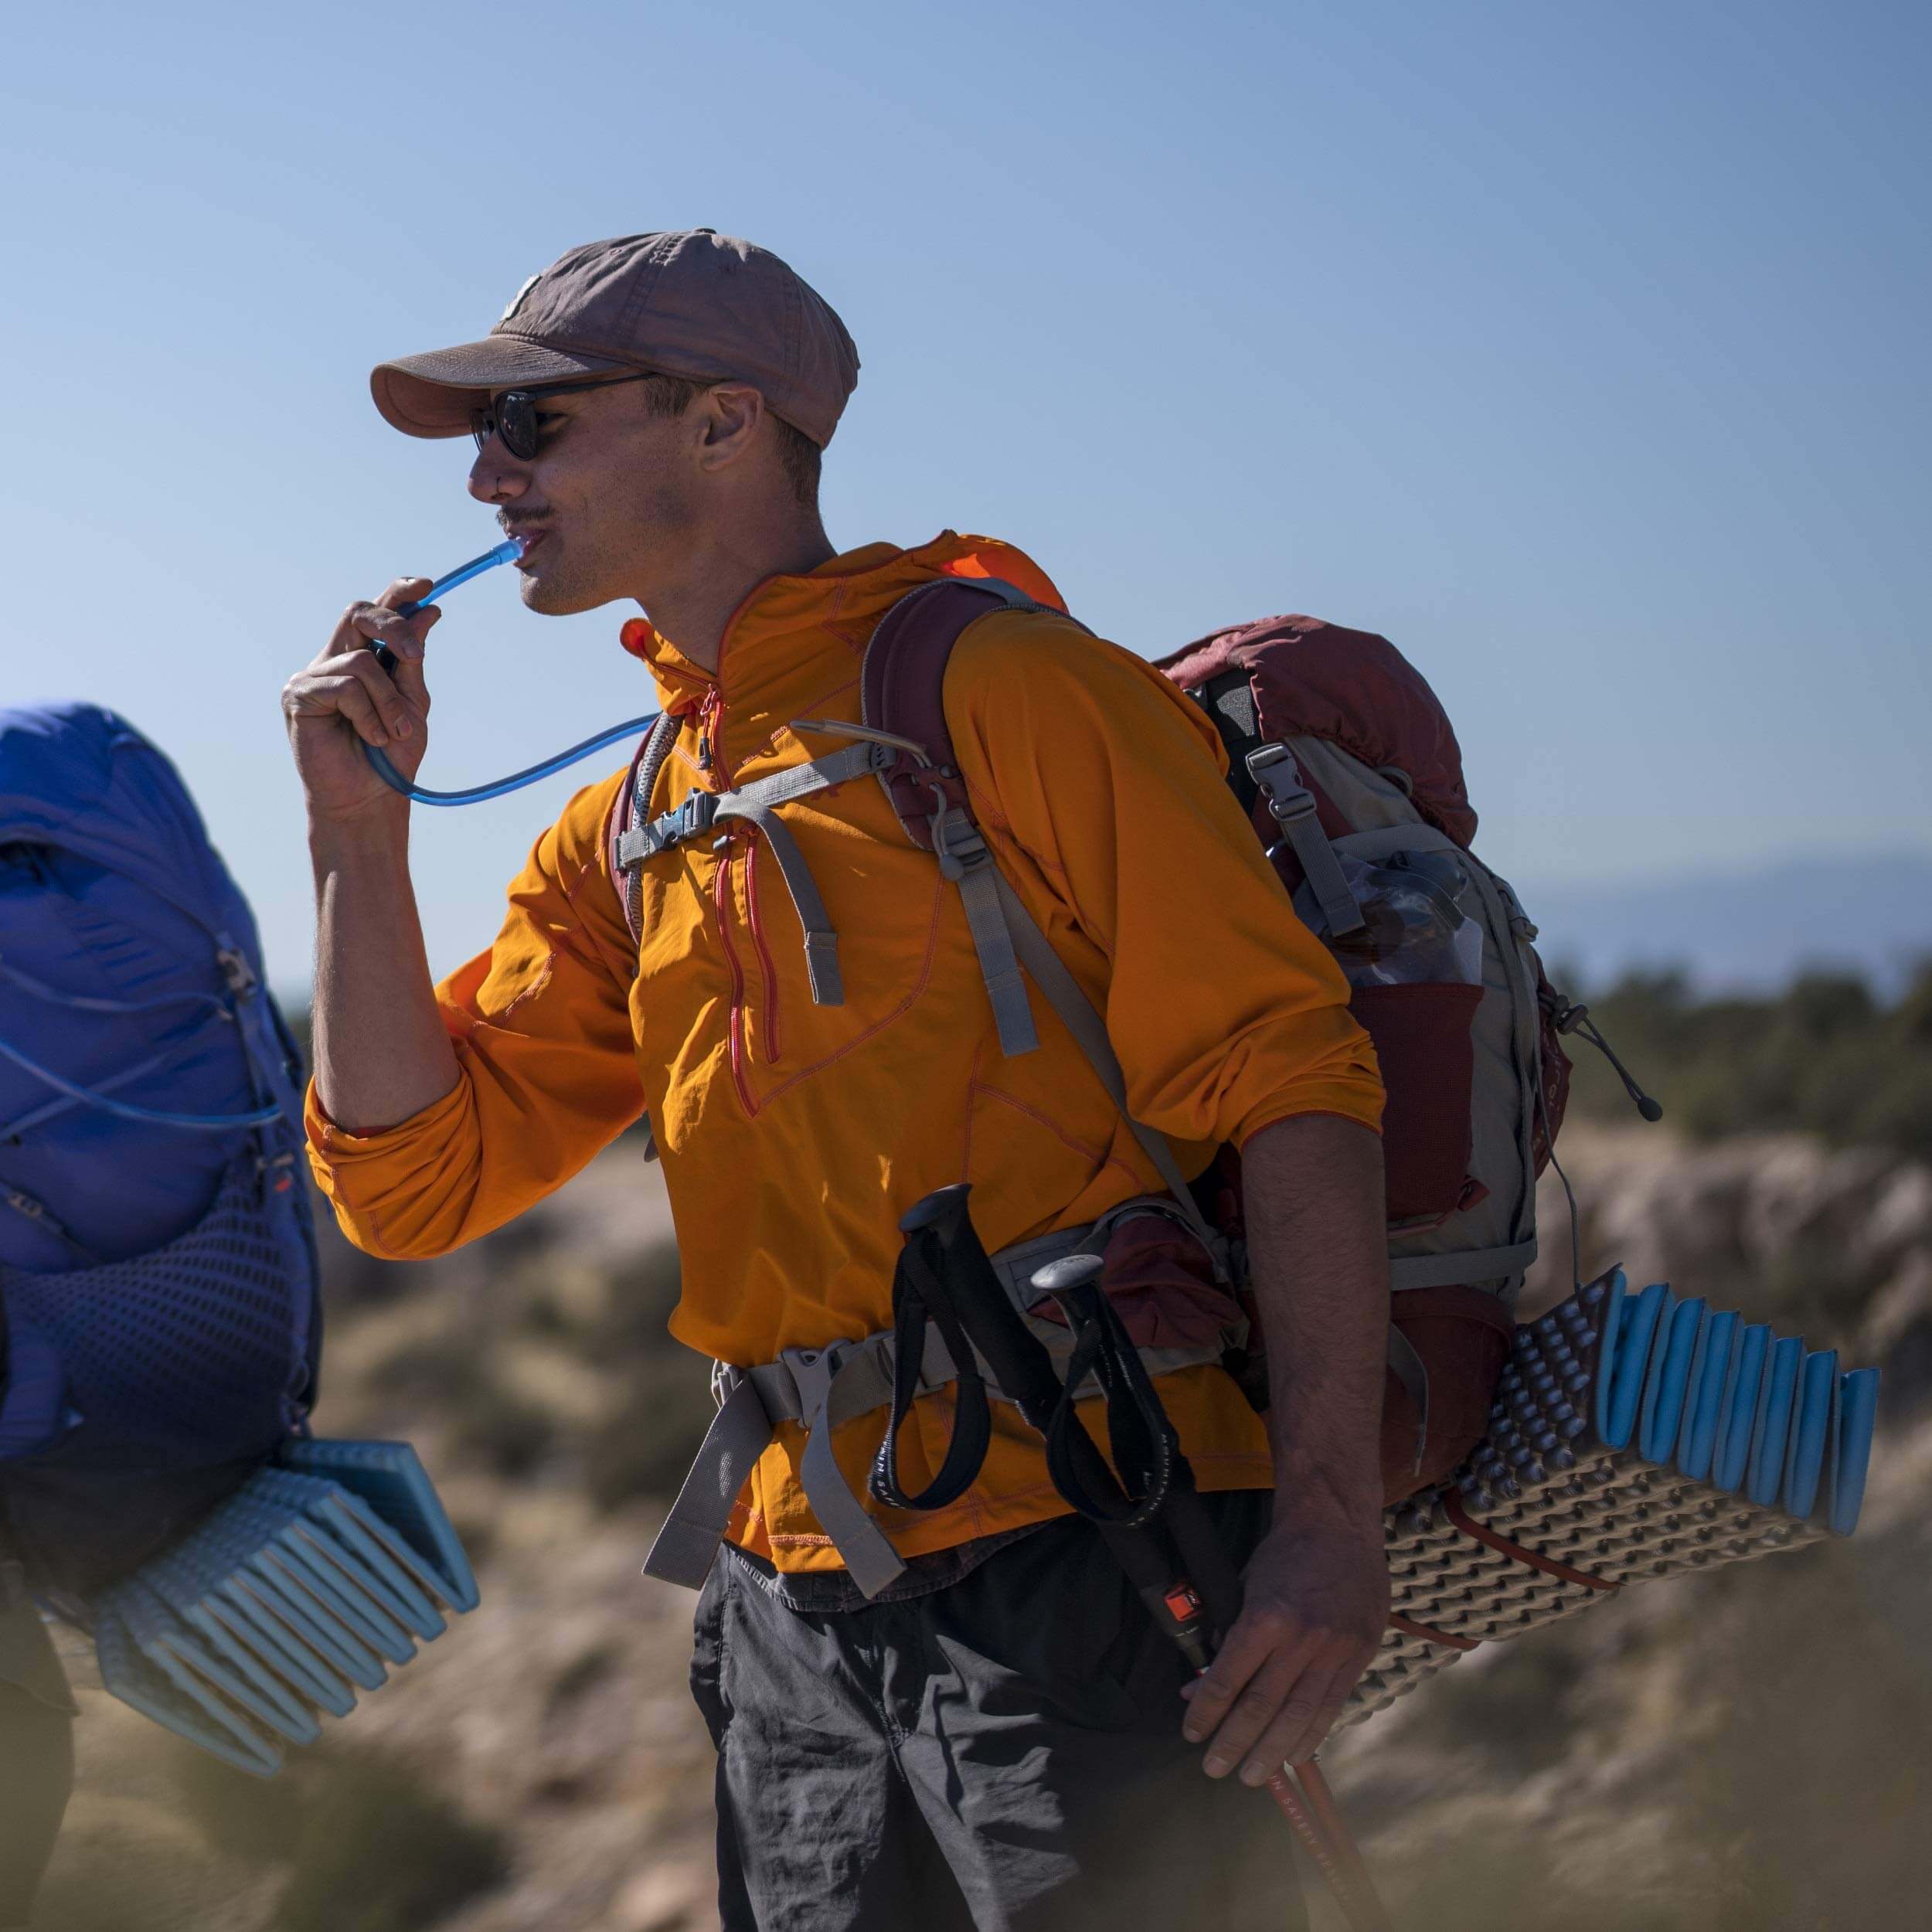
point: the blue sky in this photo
(1580, 350)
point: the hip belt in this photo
(822, 1388)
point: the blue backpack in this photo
(160, 1329)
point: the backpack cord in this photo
(1570, 1193)
(85, 1003)
(142, 1116)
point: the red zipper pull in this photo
(707, 712)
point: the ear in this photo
(729, 420)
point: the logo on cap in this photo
(516, 301)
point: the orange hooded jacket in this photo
(793, 1136)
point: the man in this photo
(996, 1738)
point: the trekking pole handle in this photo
(1017, 1357)
(943, 1211)
(1070, 1273)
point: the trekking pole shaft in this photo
(1346, 1882)
(1327, 1814)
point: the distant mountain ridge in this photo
(1744, 929)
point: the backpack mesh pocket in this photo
(181, 1369)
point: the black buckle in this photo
(688, 821)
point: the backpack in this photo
(160, 1331)
(1349, 772)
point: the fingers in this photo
(1313, 1703)
(363, 625)
(402, 591)
(356, 687)
(1272, 1694)
(407, 675)
(1237, 1707)
(1249, 1646)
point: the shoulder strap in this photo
(902, 697)
(902, 684)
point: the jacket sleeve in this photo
(1103, 792)
(542, 1028)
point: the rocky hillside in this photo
(1739, 1751)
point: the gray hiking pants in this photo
(1000, 1755)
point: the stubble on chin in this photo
(555, 596)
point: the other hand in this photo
(1315, 1606)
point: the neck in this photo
(717, 574)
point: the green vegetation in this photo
(1825, 1056)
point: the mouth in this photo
(529, 535)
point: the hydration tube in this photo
(379, 760)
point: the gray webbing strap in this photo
(821, 1388)
(755, 804)
(1412, 1373)
(740, 1433)
(1460, 1266)
(1078, 1016)
(699, 808)
(854, 761)
(1292, 804)
(822, 943)
(964, 854)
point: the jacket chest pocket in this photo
(792, 953)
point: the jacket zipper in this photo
(708, 709)
(734, 1020)
(765, 972)
(710, 717)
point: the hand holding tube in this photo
(344, 704)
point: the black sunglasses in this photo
(512, 415)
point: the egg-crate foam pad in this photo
(1633, 1436)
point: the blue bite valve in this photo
(504, 552)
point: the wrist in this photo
(1312, 1490)
(378, 828)
(1298, 1518)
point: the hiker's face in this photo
(610, 499)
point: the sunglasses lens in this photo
(482, 427)
(516, 423)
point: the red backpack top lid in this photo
(1318, 680)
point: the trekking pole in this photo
(1179, 1610)
(945, 1272)
(1202, 1596)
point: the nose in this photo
(496, 476)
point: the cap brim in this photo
(433, 395)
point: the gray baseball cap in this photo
(695, 304)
